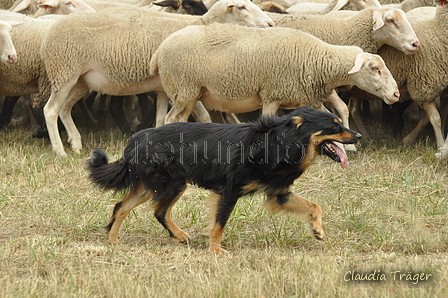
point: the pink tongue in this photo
(342, 156)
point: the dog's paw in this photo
(112, 240)
(216, 248)
(318, 234)
(182, 238)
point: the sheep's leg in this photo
(270, 108)
(443, 111)
(162, 108)
(74, 137)
(232, 118)
(304, 209)
(216, 116)
(442, 153)
(410, 138)
(342, 110)
(51, 112)
(201, 114)
(9, 103)
(434, 118)
(180, 115)
(355, 112)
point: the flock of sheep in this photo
(230, 57)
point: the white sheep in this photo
(369, 29)
(8, 53)
(408, 5)
(423, 77)
(25, 76)
(95, 51)
(309, 8)
(238, 69)
(424, 74)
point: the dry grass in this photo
(387, 211)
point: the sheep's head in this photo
(8, 53)
(370, 74)
(391, 27)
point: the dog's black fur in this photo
(231, 160)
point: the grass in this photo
(386, 212)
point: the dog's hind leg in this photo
(163, 206)
(122, 209)
(303, 208)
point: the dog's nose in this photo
(358, 136)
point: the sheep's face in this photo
(8, 53)
(245, 13)
(371, 74)
(392, 27)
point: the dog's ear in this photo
(297, 120)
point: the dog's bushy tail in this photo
(107, 175)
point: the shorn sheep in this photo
(86, 52)
(238, 69)
(8, 52)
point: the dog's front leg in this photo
(223, 206)
(303, 208)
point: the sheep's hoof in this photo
(442, 153)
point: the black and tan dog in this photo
(231, 160)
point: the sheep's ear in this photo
(47, 4)
(23, 5)
(297, 120)
(339, 5)
(377, 20)
(166, 3)
(359, 61)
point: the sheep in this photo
(43, 7)
(424, 74)
(84, 52)
(26, 75)
(8, 53)
(308, 8)
(238, 70)
(408, 5)
(369, 29)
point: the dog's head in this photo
(323, 130)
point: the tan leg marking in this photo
(130, 201)
(215, 239)
(303, 208)
(214, 230)
(177, 233)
